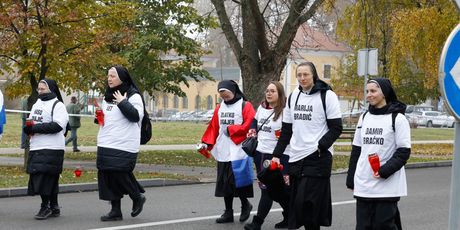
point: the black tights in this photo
(51, 200)
(265, 204)
(229, 202)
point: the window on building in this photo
(327, 71)
(197, 101)
(185, 103)
(209, 102)
(176, 102)
(165, 101)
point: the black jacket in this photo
(45, 161)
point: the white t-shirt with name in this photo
(376, 135)
(118, 132)
(309, 121)
(266, 137)
(41, 113)
(225, 149)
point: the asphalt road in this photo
(195, 207)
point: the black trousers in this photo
(377, 215)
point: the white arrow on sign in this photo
(455, 72)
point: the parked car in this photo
(433, 118)
(412, 113)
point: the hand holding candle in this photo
(374, 161)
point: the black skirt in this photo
(43, 184)
(310, 203)
(113, 185)
(225, 183)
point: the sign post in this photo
(449, 83)
(367, 65)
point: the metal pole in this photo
(366, 72)
(454, 214)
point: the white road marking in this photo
(197, 219)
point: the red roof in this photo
(312, 39)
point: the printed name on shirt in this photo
(229, 121)
(303, 116)
(375, 140)
(265, 127)
(37, 115)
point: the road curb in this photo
(89, 187)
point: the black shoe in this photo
(55, 211)
(245, 212)
(112, 216)
(138, 205)
(282, 224)
(256, 224)
(44, 213)
(227, 217)
(76, 150)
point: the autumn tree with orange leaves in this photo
(69, 41)
(409, 35)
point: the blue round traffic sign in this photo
(449, 72)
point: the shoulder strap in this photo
(289, 100)
(257, 130)
(393, 120)
(323, 99)
(52, 109)
(242, 105)
(362, 120)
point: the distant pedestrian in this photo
(74, 121)
(268, 121)
(225, 132)
(118, 143)
(49, 118)
(381, 148)
(312, 122)
(2, 114)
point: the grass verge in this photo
(14, 176)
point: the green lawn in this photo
(163, 132)
(14, 176)
(174, 132)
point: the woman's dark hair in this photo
(281, 103)
(312, 68)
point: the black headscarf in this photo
(232, 87)
(127, 85)
(393, 105)
(52, 85)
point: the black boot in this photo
(245, 212)
(138, 205)
(227, 217)
(44, 212)
(283, 223)
(255, 225)
(115, 212)
(55, 211)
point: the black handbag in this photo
(250, 144)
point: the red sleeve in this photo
(212, 132)
(238, 132)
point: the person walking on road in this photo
(118, 143)
(381, 148)
(74, 121)
(2, 114)
(223, 136)
(47, 144)
(268, 122)
(312, 122)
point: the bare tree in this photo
(260, 35)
